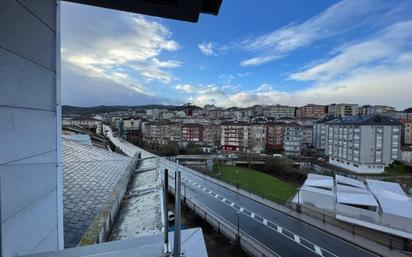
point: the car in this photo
(170, 216)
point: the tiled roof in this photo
(89, 175)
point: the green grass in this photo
(256, 182)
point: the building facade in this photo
(363, 144)
(192, 133)
(343, 109)
(377, 109)
(234, 136)
(293, 139)
(279, 111)
(275, 135)
(311, 111)
(406, 131)
(319, 133)
(257, 138)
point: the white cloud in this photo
(384, 48)
(114, 46)
(340, 18)
(207, 48)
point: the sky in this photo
(291, 52)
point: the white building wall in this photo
(30, 184)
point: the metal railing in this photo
(247, 243)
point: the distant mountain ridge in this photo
(66, 109)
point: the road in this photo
(283, 234)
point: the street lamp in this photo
(238, 226)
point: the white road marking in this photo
(297, 238)
(279, 229)
(318, 250)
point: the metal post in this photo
(184, 189)
(298, 206)
(177, 238)
(166, 210)
(238, 227)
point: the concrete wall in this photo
(31, 203)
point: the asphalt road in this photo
(283, 234)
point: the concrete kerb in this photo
(360, 242)
(101, 226)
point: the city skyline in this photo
(292, 54)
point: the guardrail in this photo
(392, 242)
(247, 243)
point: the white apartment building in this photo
(319, 133)
(293, 139)
(279, 111)
(363, 144)
(234, 136)
(343, 109)
(377, 109)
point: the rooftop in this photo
(372, 119)
(89, 175)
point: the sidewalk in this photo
(356, 240)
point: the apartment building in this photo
(319, 132)
(131, 129)
(192, 132)
(257, 137)
(161, 132)
(406, 131)
(293, 139)
(377, 109)
(234, 136)
(307, 135)
(275, 134)
(311, 111)
(343, 109)
(363, 144)
(211, 134)
(279, 111)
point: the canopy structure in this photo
(185, 10)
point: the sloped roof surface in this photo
(89, 175)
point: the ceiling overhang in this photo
(185, 10)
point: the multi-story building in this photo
(363, 144)
(293, 139)
(175, 132)
(192, 132)
(275, 134)
(406, 131)
(158, 132)
(131, 129)
(343, 109)
(311, 111)
(279, 111)
(87, 123)
(215, 114)
(234, 136)
(319, 132)
(257, 138)
(211, 135)
(377, 109)
(307, 135)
